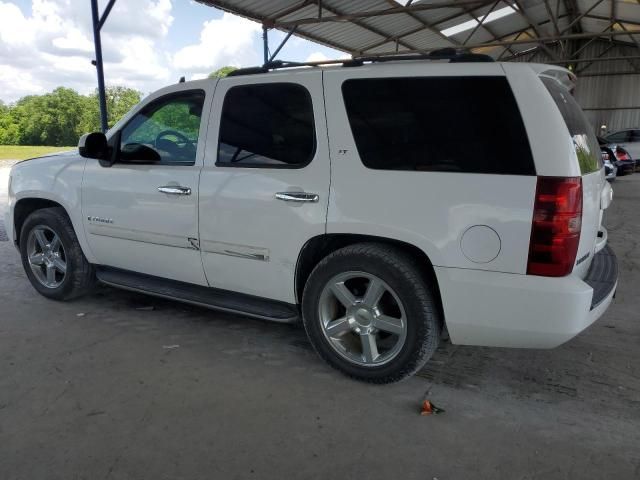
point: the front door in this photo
(141, 214)
(265, 183)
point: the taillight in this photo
(622, 155)
(557, 221)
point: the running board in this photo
(213, 298)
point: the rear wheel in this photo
(52, 257)
(369, 313)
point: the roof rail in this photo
(451, 54)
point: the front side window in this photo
(268, 125)
(584, 140)
(166, 130)
(438, 124)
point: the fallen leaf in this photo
(429, 408)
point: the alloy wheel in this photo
(363, 318)
(46, 256)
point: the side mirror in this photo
(93, 145)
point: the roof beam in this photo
(577, 52)
(573, 36)
(425, 25)
(600, 17)
(522, 12)
(591, 60)
(366, 27)
(630, 36)
(582, 15)
(290, 10)
(380, 13)
(480, 24)
(554, 21)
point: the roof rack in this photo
(451, 54)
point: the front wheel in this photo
(52, 256)
(369, 312)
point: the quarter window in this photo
(169, 127)
(268, 125)
(438, 124)
(584, 139)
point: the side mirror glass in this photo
(93, 145)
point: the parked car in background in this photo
(618, 156)
(610, 169)
(628, 139)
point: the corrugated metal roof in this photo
(419, 28)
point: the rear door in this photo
(265, 183)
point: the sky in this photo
(146, 44)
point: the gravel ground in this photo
(121, 386)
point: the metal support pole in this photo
(99, 68)
(282, 44)
(265, 43)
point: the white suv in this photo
(379, 202)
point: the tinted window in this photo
(169, 126)
(635, 136)
(584, 140)
(445, 124)
(618, 137)
(268, 125)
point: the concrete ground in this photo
(121, 386)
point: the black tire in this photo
(80, 277)
(398, 270)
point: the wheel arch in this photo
(25, 206)
(318, 247)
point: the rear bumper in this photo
(524, 311)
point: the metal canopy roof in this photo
(387, 27)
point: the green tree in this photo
(119, 101)
(60, 117)
(51, 119)
(222, 72)
(8, 126)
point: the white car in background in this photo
(380, 203)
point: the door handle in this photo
(175, 190)
(302, 197)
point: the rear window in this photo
(438, 124)
(584, 139)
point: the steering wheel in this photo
(163, 143)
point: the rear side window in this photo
(266, 125)
(584, 139)
(438, 124)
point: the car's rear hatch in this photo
(596, 192)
